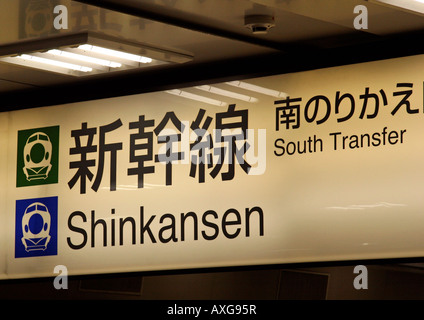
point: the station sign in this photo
(316, 166)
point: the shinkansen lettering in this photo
(166, 228)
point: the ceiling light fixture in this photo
(227, 93)
(87, 53)
(196, 97)
(255, 88)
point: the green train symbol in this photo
(37, 156)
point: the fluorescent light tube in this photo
(255, 88)
(80, 57)
(55, 63)
(196, 97)
(227, 93)
(115, 53)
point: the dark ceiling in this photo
(307, 34)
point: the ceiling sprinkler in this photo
(259, 24)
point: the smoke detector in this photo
(259, 24)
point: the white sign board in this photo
(323, 165)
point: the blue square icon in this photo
(36, 227)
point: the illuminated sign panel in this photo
(322, 165)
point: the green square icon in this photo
(38, 156)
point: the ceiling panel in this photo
(30, 21)
(382, 19)
(210, 30)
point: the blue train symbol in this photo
(36, 223)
